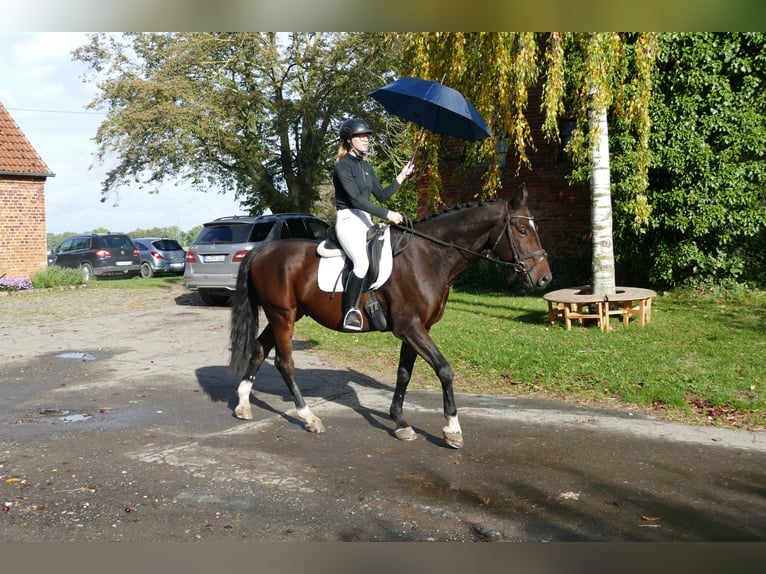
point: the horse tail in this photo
(244, 317)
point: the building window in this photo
(566, 128)
(501, 149)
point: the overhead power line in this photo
(54, 111)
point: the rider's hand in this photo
(406, 172)
(395, 217)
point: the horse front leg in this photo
(422, 343)
(407, 356)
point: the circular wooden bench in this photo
(580, 304)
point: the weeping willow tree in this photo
(584, 76)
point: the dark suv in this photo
(99, 255)
(213, 258)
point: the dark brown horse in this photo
(281, 278)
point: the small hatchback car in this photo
(213, 258)
(99, 255)
(160, 256)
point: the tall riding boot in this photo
(352, 317)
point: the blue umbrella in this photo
(433, 106)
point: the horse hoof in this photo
(243, 414)
(315, 427)
(405, 433)
(454, 439)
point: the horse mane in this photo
(454, 208)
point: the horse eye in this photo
(523, 232)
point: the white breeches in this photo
(351, 227)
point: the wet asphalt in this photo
(120, 427)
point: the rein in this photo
(518, 264)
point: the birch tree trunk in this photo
(601, 203)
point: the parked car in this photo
(160, 255)
(99, 255)
(213, 258)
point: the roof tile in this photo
(17, 156)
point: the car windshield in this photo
(226, 233)
(117, 242)
(167, 245)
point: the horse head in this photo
(518, 242)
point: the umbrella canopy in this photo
(433, 106)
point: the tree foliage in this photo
(495, 71)
(256, 113)
(707, 180)
(582, 76)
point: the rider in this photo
(355, 182)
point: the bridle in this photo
(519, 261)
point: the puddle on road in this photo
(74, 418)
(440, 492)
(63, 415)
(78, 356)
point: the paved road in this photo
(119, 427)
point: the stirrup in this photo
(353, 320)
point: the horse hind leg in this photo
(244, 410)
(263, 346)
(286, 367)
(312, 423)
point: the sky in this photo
(42, 89)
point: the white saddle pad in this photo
(330, 268)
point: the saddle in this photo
(334, 267)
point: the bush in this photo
(57, 277)
(14, 284)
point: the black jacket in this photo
(355, 183)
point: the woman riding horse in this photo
(355, 182)
(280, 278)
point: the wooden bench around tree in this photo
(579, 303)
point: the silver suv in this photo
(213, 258)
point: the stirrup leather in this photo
(353, 320)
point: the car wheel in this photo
(87, 272)
(213, 300)
(146, 271)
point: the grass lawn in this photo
(702, 358)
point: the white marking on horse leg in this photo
(243, 410)
(313, 423)
(453, 435)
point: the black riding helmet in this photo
(353, 127)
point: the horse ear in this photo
(520, 197)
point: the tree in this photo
(707, 180)
(583, 75)
(253, 112)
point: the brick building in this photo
(22, 202)
(562, 211)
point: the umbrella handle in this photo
(417, 145)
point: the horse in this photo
(280, 277)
